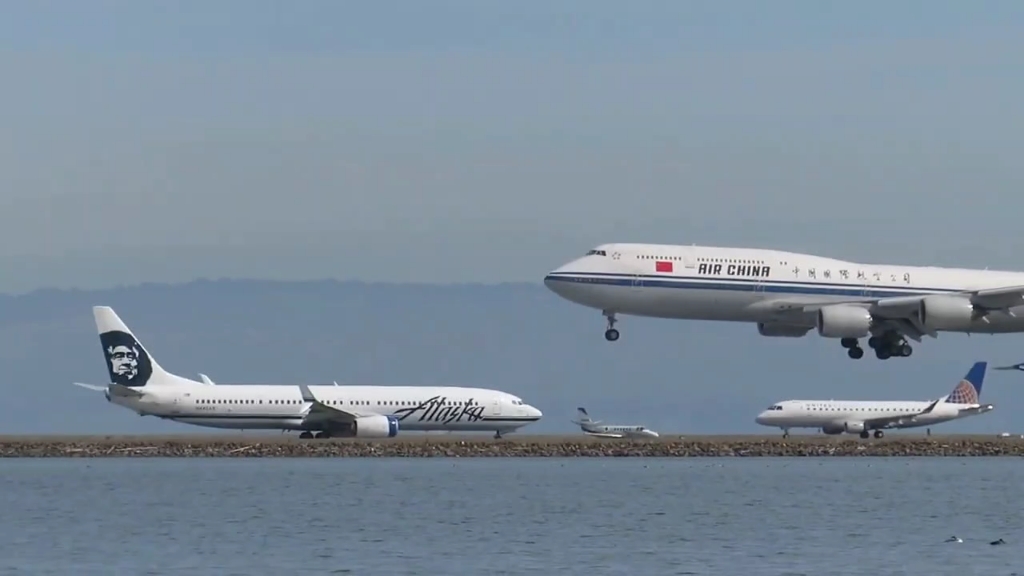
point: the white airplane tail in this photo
(128, 362)
(584, 418)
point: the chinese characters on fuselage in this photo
(845, 274)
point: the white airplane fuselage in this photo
(281, 407)
(836, 416)
(783, 292)
(622, 430)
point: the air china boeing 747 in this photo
(788, 294)
(140, 384)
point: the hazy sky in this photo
(488, 141)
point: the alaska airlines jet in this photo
(595, 428)
(860, 417)
(140, 384)
(788, 294)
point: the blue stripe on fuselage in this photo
(739, 285)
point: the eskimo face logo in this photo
(127, 362)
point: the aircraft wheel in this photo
(864, 434)
(855, 353)
(906, 350)
(611, 334)
(306, 435)
(882, 353)
(879, 433)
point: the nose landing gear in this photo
(611, 334)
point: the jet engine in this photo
(775, 329)
(844, 321)
(375, 427)
(951, 313)
(840, 427)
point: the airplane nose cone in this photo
(556, 281)
(559, 279)
(533, 412)
(761, 418)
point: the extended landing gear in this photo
(307, 435)
(878, 434)
(889, 345)
(497, 435)
(611, 334)
(785, 432)
(853, 349)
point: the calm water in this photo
(511, 516)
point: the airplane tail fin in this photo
(584, 418)
(128, 362)
(968, 390)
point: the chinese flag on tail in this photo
(662, 266)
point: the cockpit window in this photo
(597, 253)
(775, 407)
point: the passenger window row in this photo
(341, 402)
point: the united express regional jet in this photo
(140, 384)
(788, 294)
(861, 417)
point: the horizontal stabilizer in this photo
(124, 391)
(206, 379)
(112, 389)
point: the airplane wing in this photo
(895, 421)
(318, 412)
(899, 313)
(602, 435)
(94, 387)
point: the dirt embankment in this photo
(420, 446)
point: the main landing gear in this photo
(888, 345)
(878, 434)
(307, 435)
(611, 334)
(497, 435)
